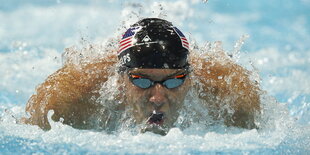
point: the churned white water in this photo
(268, 37)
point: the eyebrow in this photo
(168, 76)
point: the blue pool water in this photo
(34, 34)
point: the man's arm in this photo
(227, 90)
(70, 92)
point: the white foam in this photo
(174, 142)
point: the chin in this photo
(157, 122)
(154, 128)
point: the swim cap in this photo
(153, 43)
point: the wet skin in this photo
(158, 98)
(72, 91)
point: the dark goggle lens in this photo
(173, 83)
(142, 83)
(146, 83)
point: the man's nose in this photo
(158, 95)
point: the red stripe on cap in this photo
(186, 45)
(185, 42)
(184, 39)
(124, 48)
(125, 43)
(124, 40)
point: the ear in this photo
(121, 88)
(188, 83)
(121, 81)
(120, 96)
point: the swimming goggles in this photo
(145, 83)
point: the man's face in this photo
(165, 102)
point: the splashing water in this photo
(279, 132)
(284, 129)
(236, 52)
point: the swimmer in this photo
(156, 71)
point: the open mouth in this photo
(156, 118)
(155, 123)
